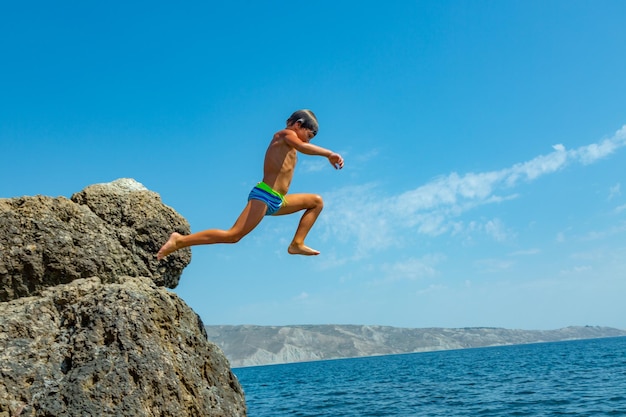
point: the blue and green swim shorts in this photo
(272, 199)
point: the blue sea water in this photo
(575, 378)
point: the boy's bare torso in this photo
(280, 162)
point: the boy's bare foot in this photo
(169, 247)
(295, 249)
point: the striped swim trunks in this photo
(272, 199)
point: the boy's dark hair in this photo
(306, 118)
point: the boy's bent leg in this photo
(249, 218)
(313, 205)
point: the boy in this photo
(270, 197)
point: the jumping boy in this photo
(269, 197)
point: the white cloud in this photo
(375, 221)
(496, 229)
(413, 268)
(431, 288)
(576, 270)
(366, 157)
(449, 196)
(560, 237)
(526, 252)
(302, 296)
(602, 234)
(493, 265)
(614, 191)
(537, 167)
(591, 153)
(313, 165)
(358, 214)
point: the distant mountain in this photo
(264, 345)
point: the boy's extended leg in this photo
(249, 218)
(313, 205)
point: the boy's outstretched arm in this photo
(309, 149)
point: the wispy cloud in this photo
(413, 268)
(580, 269)
(365, 214)
(454, 194)
(302, 296)
(493, 265)
(615, 229)
(497, 230)
(526, 252)
(366, 157)
(431, 288)
(359, 215)
(615, 191)
(313, 165)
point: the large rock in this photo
(94, 349)
(86, 328)
(106, 230)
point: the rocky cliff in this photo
(107, 230)
(263, 345)
(86, 327)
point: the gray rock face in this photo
(86, 327)
(94, 349)
(106, 230)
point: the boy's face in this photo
(310, 132)
(304, 133)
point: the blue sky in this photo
(485, 148)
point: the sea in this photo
(573, 378)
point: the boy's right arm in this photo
(309, 149)
(336, 160)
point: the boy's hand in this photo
(336, 160)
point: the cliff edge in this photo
(86, 327)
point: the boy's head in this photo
(306, 118)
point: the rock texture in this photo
(106, 230)
(263, 345)
(86, 327)
(94, 349)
